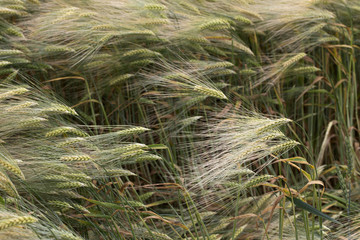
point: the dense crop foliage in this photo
(179, 119)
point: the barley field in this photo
(179, 119)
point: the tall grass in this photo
(178, 119)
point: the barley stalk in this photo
(10, 52)
(283, 147)
(13, 92)
(293, 60)
(69, 185)
(216, 24)
(210, 92)
(131, 131)
(11, 168)
(32, 122)
(60, 204)
(121, 78)
(76, 158)
(250, 183)
(155, 7)
(65, 130)
(59, 108)
(17, 107)
(119, 172)
(272, 124)
(57, 49)
(11, 222)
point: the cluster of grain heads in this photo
(101, 47)
(16, 224)
(152, 63)
(62, 144)
(236, 141)
(184, 79)
(13, 54)
(11, 222)
(303, 27)
(233, 150)
(299, 30)
(289, 68)
(44, 156)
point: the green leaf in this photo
(303, 205)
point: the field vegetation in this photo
(179, 119)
